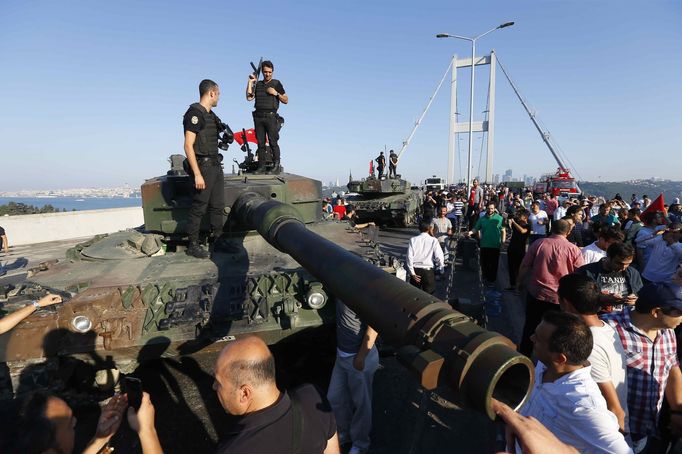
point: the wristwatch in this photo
(35, 304)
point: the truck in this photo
(434, 184)
(560, 184)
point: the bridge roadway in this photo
(407, 419)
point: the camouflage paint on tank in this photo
(386, 201)
(166, 200)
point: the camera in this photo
(226, 136)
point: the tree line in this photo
(16, 209)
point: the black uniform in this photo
(266, 120)
(381, 164)
(392, 165)
(300, 422)
(206, 126)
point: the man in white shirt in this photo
(579, 295)
(538, 220)
(442, 230)
(423, 255)
(565, 398)
(597, 250)
(455, 210)
(560, 212)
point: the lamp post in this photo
(471, 100)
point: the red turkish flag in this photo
(657, 205)
(250, 136)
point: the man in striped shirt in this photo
(653, 370)
(455, 211)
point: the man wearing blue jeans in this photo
(350, 388)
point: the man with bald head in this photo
(269, 420)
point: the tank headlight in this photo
(316, 297)
(81, 323)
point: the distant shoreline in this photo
(78, 203)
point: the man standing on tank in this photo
(381, 164)
(268, 93)
(201, 148)
(392, 164)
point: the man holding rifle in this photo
(268, 93)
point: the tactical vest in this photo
(206, 143)
(264, 101)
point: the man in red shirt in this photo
(547, 261)
(475, 203)
(339, 209)
(551, 204)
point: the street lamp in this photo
(471, 100)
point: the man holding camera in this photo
(202, 127)
(268, 93)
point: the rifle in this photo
(256, 71)
(256, 74)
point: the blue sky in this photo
(93, 92)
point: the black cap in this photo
(661, 295)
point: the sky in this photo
(93, 93)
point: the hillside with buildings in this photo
(651, 187)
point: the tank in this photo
(385, 201)
(130, 290)
(276, 270)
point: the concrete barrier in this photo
(40, 228)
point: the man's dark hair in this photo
(205, 86)
(572, 337)
(581, 291)
(267, 64)
(649, 217)
(561, 227)
(424, 225)
(620, 250)
(256, 373)
(635, 211)
(572, 210)
(521, 212)
(33, 433)
(611, 233)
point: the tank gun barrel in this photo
(439, 345)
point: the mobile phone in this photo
(133, 388)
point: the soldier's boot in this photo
(197, 251)
(262, 163)
(277, 168)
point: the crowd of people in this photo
(602, 283)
